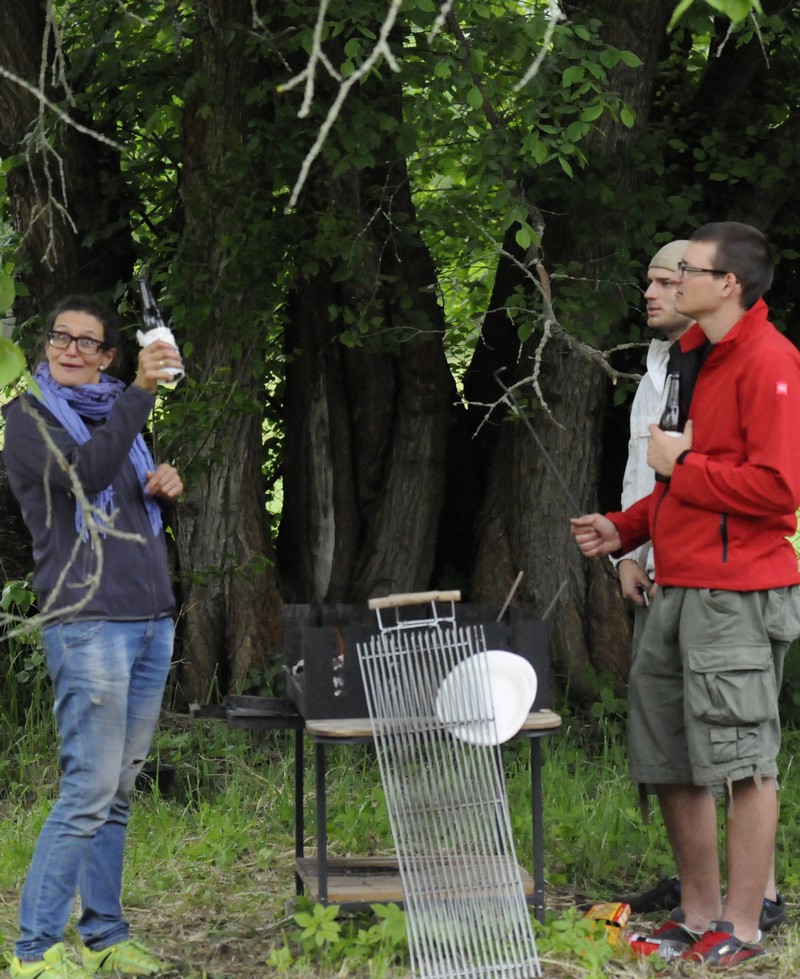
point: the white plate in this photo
(496, 684)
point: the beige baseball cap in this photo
(668, 256)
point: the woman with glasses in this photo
(92, 498)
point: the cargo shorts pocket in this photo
(732, 744)
(733, 686)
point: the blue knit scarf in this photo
(70, 405)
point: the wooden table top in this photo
(361, 727)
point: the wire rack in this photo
(466, 911)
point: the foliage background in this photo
(341, 430)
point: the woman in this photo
(103, 587)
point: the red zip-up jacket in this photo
(724, 518)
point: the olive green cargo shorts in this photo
(704, 685)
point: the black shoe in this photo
(665, 896)
(773, 913)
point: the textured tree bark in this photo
(366, 429)
(523, 526)
(231, 613)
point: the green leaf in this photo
(523, 236)
(12, 362)
(678, 12)
(630, 59)
(474, 97)
(573, 75)
(477, 60)
(7, 293)
(576, 131)
(591, 113)
(737, 10)
(627, 116)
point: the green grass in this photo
(209, 876)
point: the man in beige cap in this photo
(636, 569)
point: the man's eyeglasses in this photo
(84, 345)
(684, 269)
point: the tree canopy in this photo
(367, 220)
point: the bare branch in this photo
(45, 165)
(537, 275)
(57, 110)
(441, 19)
(381, 50)
(554, 16)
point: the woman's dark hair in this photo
(744, 251)
(112, 335)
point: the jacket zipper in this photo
(658, 507)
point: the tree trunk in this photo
(523, 526)
(231, 613)
(366, 428)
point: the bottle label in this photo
(161, 333)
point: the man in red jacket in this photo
(704, 687)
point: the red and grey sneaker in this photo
(719, 948)
(669, 940)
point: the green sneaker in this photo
(126, 958)
(56, 963)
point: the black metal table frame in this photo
(534, 735)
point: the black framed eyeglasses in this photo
(683, 269)
(84, 345)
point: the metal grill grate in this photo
(465, 904)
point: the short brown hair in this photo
(744, 251)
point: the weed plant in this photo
(27, 728)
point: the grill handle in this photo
(413, 598)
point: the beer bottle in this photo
(671, 416)
(155, 326)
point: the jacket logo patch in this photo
(781, 387)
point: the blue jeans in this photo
(108, 681)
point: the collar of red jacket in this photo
(754, 318)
